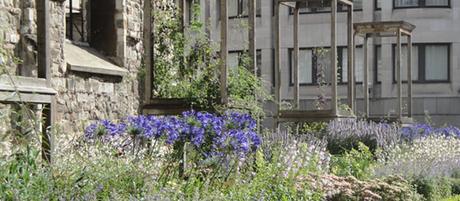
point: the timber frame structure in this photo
(298, 115)
(159, 106)
(30, 90)
(388, 29)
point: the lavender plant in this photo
(345, 134)
(418, 131)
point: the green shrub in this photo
(433, 189)
(454, 198)
(455, 182)
(357, 162)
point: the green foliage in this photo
(455, 182)
(313, 127)
(357, 162)
(187, 67)
(453, 198)
(433, 188)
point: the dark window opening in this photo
(236, 58)
(316, 62)
(430, 63)
(325, 7)
(102, 30)
(378, 4)
(240, 9)
(92, 25)
(74, 21)
(421, 3)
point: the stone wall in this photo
(82, 97)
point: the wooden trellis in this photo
(30, 90)
(159, 106)
(388, 29)
(298, 115)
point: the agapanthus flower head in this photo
(213, 135)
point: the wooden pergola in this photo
(388, 29)
(159, 106)
(298, 115)
(36, 90)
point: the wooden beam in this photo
(289, 4)
(409, 76)
(352, 79)
(366, 77)
(334, 102)
(223, 51)
(182, 9)
(277, 63)
(252, 34)
(296, 58)
(43, 36)
(148, 50)
(48, 121)
(398, 73)
(207, 17)
(44, 71)
(346, 2)
(350, 43)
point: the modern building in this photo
(436, 52)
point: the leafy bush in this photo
(343, 135)
(357, 162)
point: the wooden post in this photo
(43, 35)
(366, 77)
(277, 63)
(223, 51)
(351, 47)
(207, 17)
(252, 34)
(70, 25)
(182, 8)
(44, 71)
(398, 72)
(409, 76)
(334, 56)
(296, 57)
(148, 51)
(352, 79)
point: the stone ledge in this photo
(27, 89)
(87, 60)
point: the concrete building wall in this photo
(434, 25)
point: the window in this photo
(420, 3)
(316, 61)
(239, 8)
(430, 62)
(94, 24)
(74, 21)
(325, 6)
(90, 27)
(378, 4)
(235, 59)
(190, 11)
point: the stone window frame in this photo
(119, 58)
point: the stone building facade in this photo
(96, 76)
